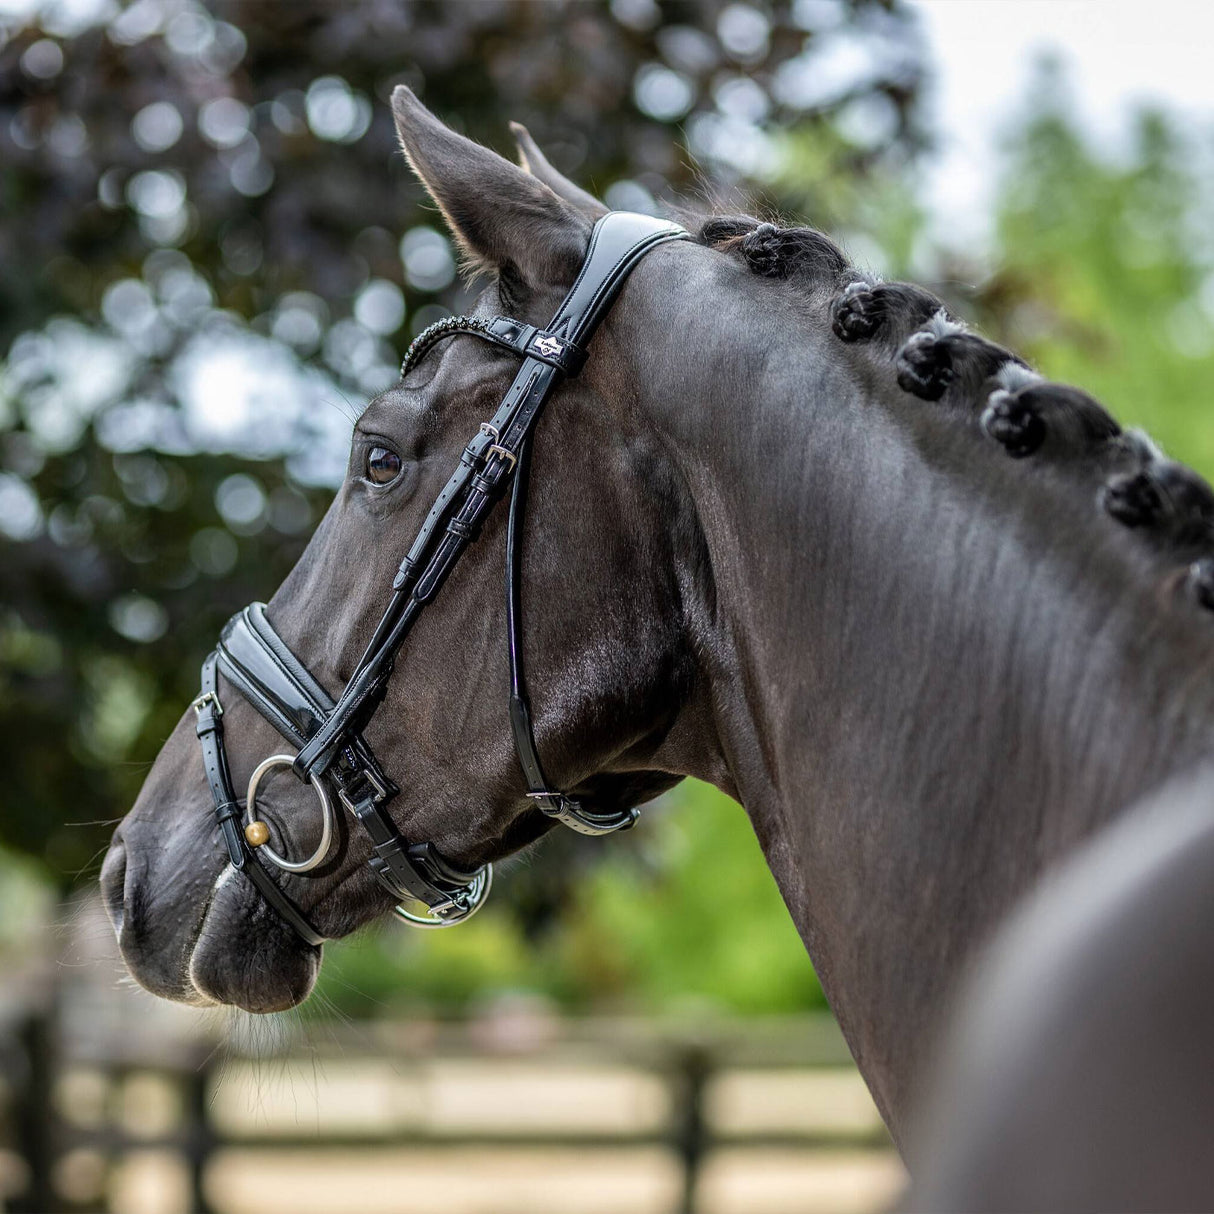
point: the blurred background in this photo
(211, 256)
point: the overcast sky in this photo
(1119, 51)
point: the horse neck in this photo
(931, 669)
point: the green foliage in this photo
(709, 926)
(874, 214)
(27, 902)
(1106, 265)
(698, 922)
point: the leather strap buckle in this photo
(378, 787)
(569, 812)
(496, 448)
(207, 699)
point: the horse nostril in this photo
(113, 883)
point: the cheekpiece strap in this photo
(556, 805)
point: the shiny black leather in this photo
(256, 660)
(527, 341)
(327, 731)
(209, 727)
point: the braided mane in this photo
(936, 358)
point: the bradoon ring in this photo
(252, 821)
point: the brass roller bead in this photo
(256, 833)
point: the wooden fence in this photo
(81, 1109)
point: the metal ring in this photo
(326, 816)
(477, 892)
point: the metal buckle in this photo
(569, 811)
(207, 697)
(381, 790)
(498, 449)
(462, 904)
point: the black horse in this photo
(794, 531)
(1077, 1069)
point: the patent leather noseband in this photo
(327, 732)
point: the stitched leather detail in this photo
(513, 335)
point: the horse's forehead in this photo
(457, 370)
(395, 407)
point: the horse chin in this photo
(253, 962)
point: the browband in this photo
(527, 341)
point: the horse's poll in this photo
(327, 732)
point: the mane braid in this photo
(771, 251)
(935, 358)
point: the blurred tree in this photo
(210, 246)
(1107, 276)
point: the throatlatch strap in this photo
(565, 809)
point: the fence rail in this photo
(75, 1110)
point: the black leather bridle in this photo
(328, 733)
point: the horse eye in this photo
(383, 466)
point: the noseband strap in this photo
(328, 732)
(209, 727)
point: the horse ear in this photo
(536, 163)
(503, 218)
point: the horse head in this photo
(605, 573)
